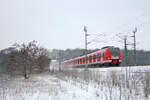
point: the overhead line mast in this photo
(126, 51)
(134, 44)
(85, 30)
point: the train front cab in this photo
(114, 55)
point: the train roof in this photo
(109, 47)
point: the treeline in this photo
(24, 59)
(142, 57)
(62, 55)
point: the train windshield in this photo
(114, 52)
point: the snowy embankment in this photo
(78, 84)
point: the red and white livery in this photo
(106, 56)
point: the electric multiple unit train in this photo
(107, 56)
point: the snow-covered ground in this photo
(44, 87)
(58, 86)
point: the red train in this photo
(106, 56)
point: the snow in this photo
(48, 86)
(42, 87)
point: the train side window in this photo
(102, 55)
(98, 56)
(94, 57)
(87, 58)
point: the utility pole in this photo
(124, 37)
(126, 59)
(126, 51)
(86, 73)
(134, 44)
(59, 60)
(85, 30)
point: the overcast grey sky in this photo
(59, 23)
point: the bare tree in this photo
(27, 56)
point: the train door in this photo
(83, 59)
(80, 60)
(90, 59)
(102, 57)
(87, 59)
(98, 57)
(94, 58)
